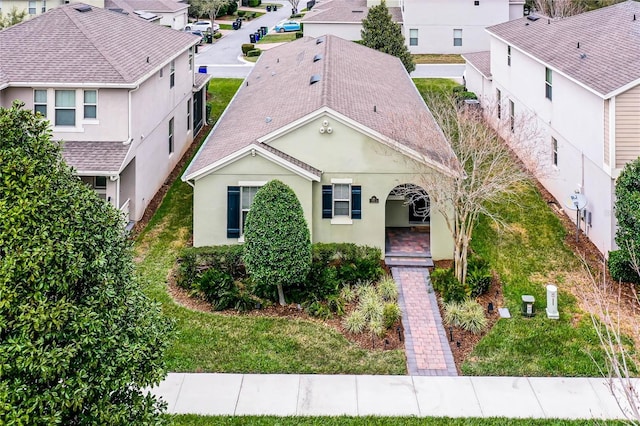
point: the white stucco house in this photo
(429, 26)
(579, 78)
(126, 108)
(308, 115)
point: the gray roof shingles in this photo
(608, 37)
(345, 11)
(98, 47)
(87, 156)
(364, 85)
(480, 61)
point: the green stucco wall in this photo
(345, 153)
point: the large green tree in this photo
(381, 33)
(13, 17)
(277, 241)
(624, 264)
(79, 341)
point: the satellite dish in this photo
(576, 202)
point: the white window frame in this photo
(188, 115)
(512, 116)
(413, 37)
(65, 108)
(499, 103)
(508, 55)
(171, 135)
(457, 37)
(32, 7)
(39, 103)
(190, 58)
(89, 104)
(554, 151)
(243, 209)
(172, 74)
(548, 83)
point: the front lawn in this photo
(528, 254)
(424, 58)
(278, 38)
(214, 342)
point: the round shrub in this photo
(277, 248)
(356, 322)
(387, 289)
(478, 276)
(254, 53)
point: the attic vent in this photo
(317, 57)
(314, 79)
(357, 11)
(319, 40)
(82, 8)
(533, 17)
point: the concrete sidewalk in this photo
(324, 395)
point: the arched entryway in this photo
(408, 224)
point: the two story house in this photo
(121, 94)
(429, 26)
(578, 79)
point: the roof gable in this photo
(97, 46)
(598, 49)
(365, 86)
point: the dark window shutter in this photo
(327, 200)
(356, 202)
(233, 212)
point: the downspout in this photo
(129, 139)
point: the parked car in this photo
(204, 26)
(283, 26)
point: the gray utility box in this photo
(527, 305)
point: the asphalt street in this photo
(223, 59)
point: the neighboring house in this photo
(126, 107)
(343, 126)
(170, 13)
(342, 18)
(38, 7)
(429, 26)
(579, 78)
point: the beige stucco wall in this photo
(344, 154)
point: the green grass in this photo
(194, 420)
(278, 38)
(437, 59)
(528, 254)
(241, 344)
(226, 26)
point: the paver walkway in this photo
(428, 352)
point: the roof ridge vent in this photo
(82, 8)
(314, 79)
(317, 57)
(533, 17)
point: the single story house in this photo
(343, 126)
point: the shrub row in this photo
(333, 267)
(451, 290)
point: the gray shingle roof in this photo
(345, 11)
(480, 61)
(367, 86)
(88, 156)
(98, 47)
(609, 37)
(149, 5)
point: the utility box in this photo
(527, 305)
(552, 302)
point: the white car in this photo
(204, 26)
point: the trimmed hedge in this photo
(247, 47)
(254, 52)
(334, 265)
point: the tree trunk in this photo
(281, 295)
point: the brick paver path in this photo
(426, 345)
